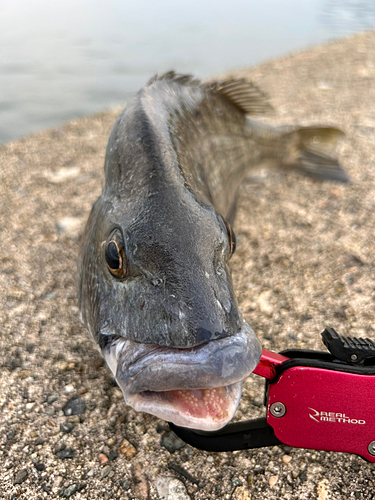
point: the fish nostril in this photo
(219, 269)
(226, 303)
(156, 281)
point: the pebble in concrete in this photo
(66, 427)
(272, 480)
(63, 174)
(106, 472)
(241, 493)
(68, 225)
(20, 476)
(286, 459)
(74, 406)
(127, 449)
(103, 459)
(169, 488)
(70, 490)
(65, 453)
(51, 398)
(172, 442)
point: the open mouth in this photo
(198, 387)
(205, 409)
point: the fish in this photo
(155, 287)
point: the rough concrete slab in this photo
(305, 260)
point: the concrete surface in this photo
(305, 260)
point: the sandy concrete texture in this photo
(305, 260)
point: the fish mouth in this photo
(197, 387)
(205, 409)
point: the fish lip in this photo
(217, 363)
(173, 414)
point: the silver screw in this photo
(371, 448)
(354, 357)
(278, 410)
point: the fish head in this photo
(168, 325)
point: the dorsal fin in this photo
(172, 76)
(245, 95)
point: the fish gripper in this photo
(351, 350)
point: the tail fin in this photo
(310, 150)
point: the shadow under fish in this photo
(155, 289)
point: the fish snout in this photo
(200, 318)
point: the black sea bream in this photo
(155, 290)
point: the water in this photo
(65, 59)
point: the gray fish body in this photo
(168, 320)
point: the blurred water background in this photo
(64, 59)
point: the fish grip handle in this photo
(351, 350)
(243, 435)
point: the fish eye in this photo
(115, 255)
(232, 239)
